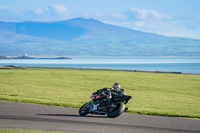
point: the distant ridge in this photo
(88, 37)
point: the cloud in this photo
(119, 16)
(41, 11)
(4, 8)
(51, 13)
(59, 10)
(8, 14)
(139, 23)
(145, 14)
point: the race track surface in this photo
(48, 118)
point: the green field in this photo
(24, 131)
(153, 93)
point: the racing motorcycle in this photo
(98, 105)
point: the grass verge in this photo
(153, 93)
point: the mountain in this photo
(88, 37)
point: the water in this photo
(172, 64)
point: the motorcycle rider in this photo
(116, 90)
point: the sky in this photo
(174, 18)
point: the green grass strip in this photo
(153, 93)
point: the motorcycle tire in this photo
(84, 110)
(120, 109)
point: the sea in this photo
(170, 64)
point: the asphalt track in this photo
(48, 118)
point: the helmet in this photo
(116, 86)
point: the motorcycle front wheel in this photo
(84, 110)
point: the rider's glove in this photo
(99, 91)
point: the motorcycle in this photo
(98, 105)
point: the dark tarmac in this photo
(51, 118)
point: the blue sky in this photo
(166, 17)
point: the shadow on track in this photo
(71, 115)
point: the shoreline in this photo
(31, 57)
(164, 72)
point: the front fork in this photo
(91, 107)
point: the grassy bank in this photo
(153, 93)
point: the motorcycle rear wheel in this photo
(84, 110)
(118, 111)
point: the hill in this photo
(88, 37)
